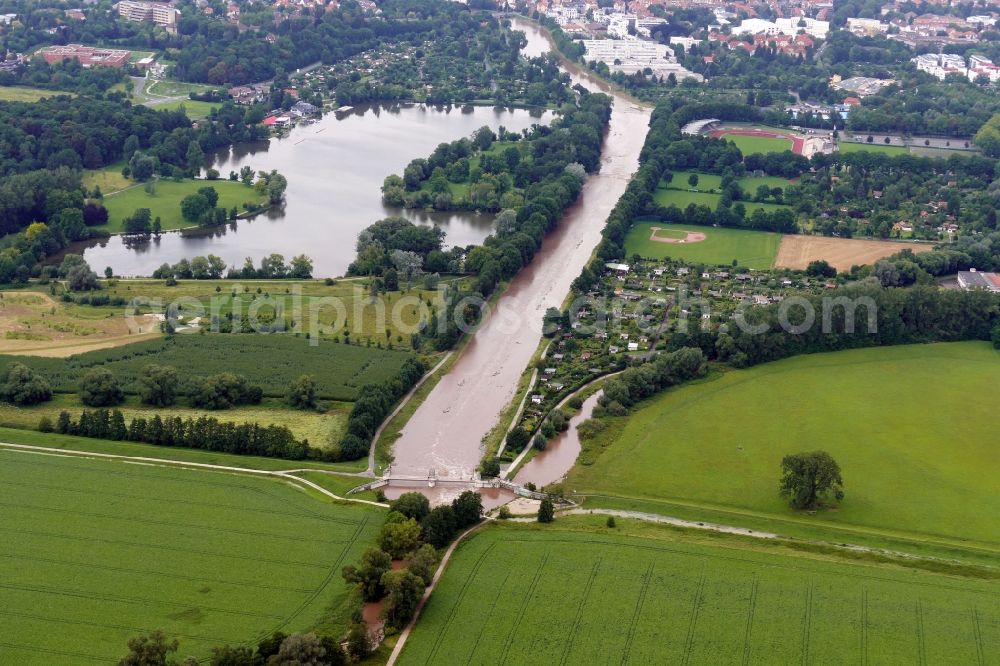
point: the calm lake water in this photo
(335, 170)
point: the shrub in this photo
(99, 388)
(23, 386)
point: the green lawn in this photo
(850, 147)
(97, 551)
(754, 249)
(912, 427)
(194, 109)
(576, 592)
(109, 179)
(165, 202)
(752, 145)
(681, 199)
(168, 88)
(26, 94)
(708, 182)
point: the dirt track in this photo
(841, 253)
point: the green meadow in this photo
(98, 551)
(683, 198)
(913, 429)
(165, 201)
(26, 94)
(194, 109)
(708, 182)
(754, 249)
(577, 592)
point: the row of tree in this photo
(373, 405)
(206, 433)
(272, 267)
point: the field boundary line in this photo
(493, 607)
(750, 613)
(524, 607)
(579, 611)
(807, 623)
(921, 646)
(977, 632)
(864, 625)
(166, 462)
(640, 602)
(398, 649)
(461, 597)
(693, 621)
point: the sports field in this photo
(95, 552)
(912, 427)
(682, 198)
(753, 249)
(755, 140)
(165, 202)
(576, 592)
(797, 251)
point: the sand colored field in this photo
(681, 237)
(34, 324)
(841, 253)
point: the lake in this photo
(335, 170)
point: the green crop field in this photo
(682, 198)
(26, 94)
(912, 427)
(269, 361)
(751, 145)
(576, 592)
(165, 202)
(95, 552)
(850, 147)
(194, 109)
(754, 249)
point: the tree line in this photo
(206, 433)
(373, 405)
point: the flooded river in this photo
(445, 434)
(335, 170)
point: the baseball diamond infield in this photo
(688, 236)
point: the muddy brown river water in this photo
(445, 433)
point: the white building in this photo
(160, 13)
(941, 65)
(867, 27)
(635, 55)
(755, 26)
(796, 24)
(783, 26)
(687, 42)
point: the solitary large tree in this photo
(807, 476)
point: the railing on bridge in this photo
(472, 481)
